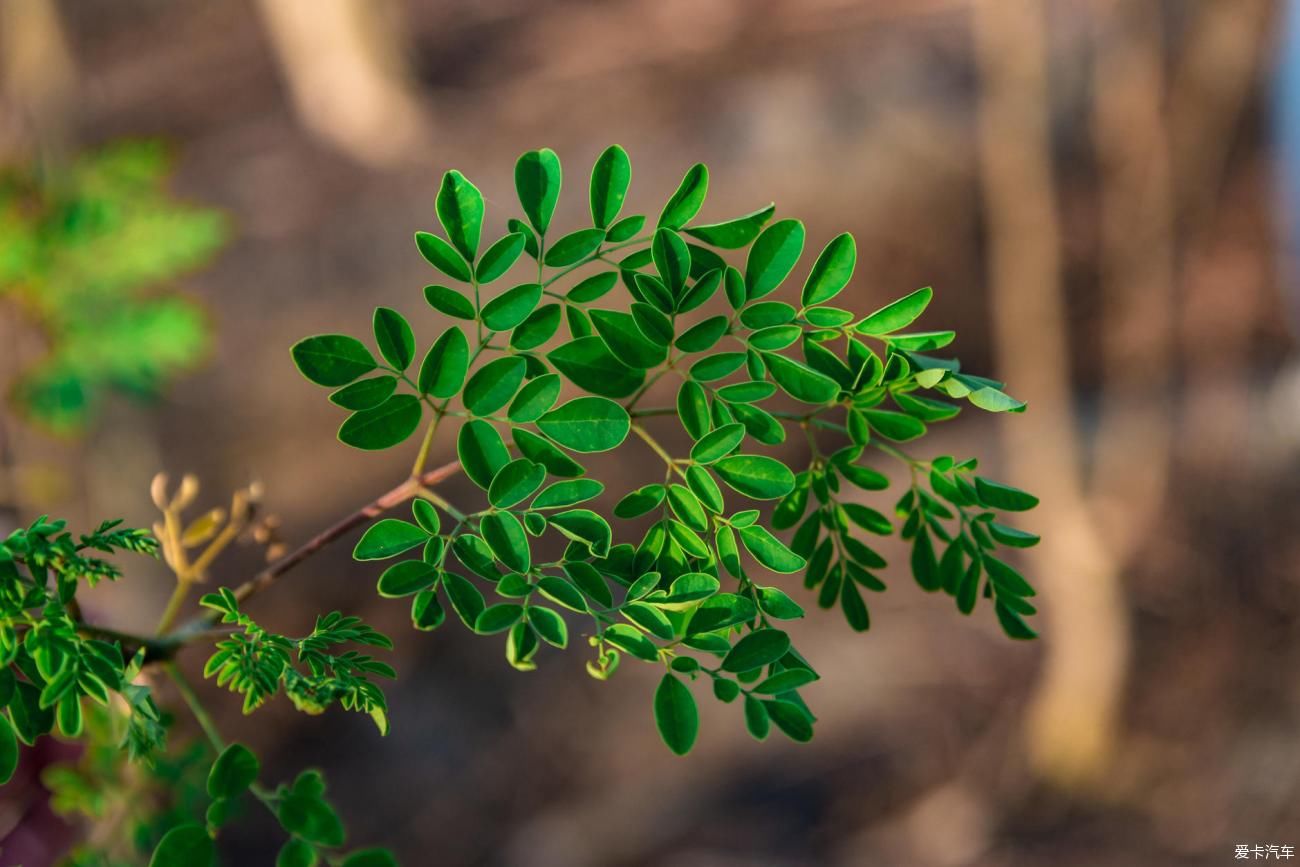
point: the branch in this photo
(272, 573)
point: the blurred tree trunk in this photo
(1101, 499)
(1073, 718)
(40, 81)
(346, 69)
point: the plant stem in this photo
(179, 592)
(272, 573)
(196, 707)
(658, 449)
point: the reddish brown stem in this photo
(273, 572)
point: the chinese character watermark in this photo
(1263, 851)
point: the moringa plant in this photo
(87, 256)
(701, 370)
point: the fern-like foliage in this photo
(85, 255)
(258, 664)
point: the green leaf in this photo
(653, 323)
(370, 858)
(687, 201)
(757, 649)
(365, 393)
(587, 424)
(568, 493)
(389, 537)
(449, 301)
(832, 270)
(703, 486)
(185, 846)
(466, 600)
(640, 501)
(561, 592)
(775, 337)
(717, 366)
(549, 625)
(427, 613)
(756, 720)
(332, 359)
(1006, 580)
(718, 444)
(1012, 624)
(383, 426)
(626, 339)
(769, 550)
(511, 307)
(537, 328)
(994, 400)
(515, 482)
(394, 337)
(702, 290)
(766, 313)
(676, 716)
(672, 260)
(894, 425)
(609, 181)
(460, 210)
(505, 536)
(855, 610)
(733, 234)
(537, 448)
(773, 257)
(594, 287)
(690, 587)
(687, 507)
(585, 576)
(233, 772)
(481, 452)
(693, 409)
(8, 750)
(535, 398)
(537, 180)
(703, 335)
(790, 719)
(498, 258)
(631, 640)
(498, 618)
(493, 384)
(574, 247)
(304, 813)
(746, 392)
(786, 681)
(407, 577)
(296, 853)
(802, 382)
(722, 610)
(442, 373)
(899, 314)
(777, 604)
(1011, 536)
(588, 364)
(442, 256)
(922, 341)
(584, 525)
(756, 476)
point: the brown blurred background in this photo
(1101, 193)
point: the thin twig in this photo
(272, 573)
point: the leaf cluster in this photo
(701, 307)
(84, 252)
(257, 664)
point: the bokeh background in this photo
(1102, 193)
